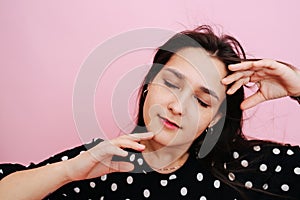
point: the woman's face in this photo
(184, 97)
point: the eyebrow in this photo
(182, 77)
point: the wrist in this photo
(63, 169)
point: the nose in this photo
(177, 104)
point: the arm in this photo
(39, 182)
(34, 183)
(273, 79)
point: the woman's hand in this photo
(39, 182)
(98, 160)
(273, 79)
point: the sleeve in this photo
(8, 168)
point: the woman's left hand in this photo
(273, 79)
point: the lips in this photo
(169, 124)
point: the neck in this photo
(164, 159)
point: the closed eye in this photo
(170, 85)
(201, 102)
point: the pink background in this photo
(44, 43)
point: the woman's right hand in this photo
(97, 161)
(39, 182)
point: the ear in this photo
(216, 119)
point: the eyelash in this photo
(170, 85)
(201, 102)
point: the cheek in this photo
(151, 109)
(152, 104)
(146, 111)
(198, 121)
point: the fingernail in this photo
(232, 66)
(151, 133)
(224, 80)
(229, 91)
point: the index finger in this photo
(254, 65)
(140, 136)
(246, 65)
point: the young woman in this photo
(188, 142)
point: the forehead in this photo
(199, 68)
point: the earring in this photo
(145, 92)
(204, 147)
(209, 130)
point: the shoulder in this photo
(266, 150)
(273, 153)
(267, 167)
(266, 156)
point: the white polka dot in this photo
(290, 152)
(263, 167)
(183, 191)
(248, 184)
(278, 168)
(64, 158)
(129, 179)
(199, 176)
(146, 193)
(256, 148)
(173, 176)
(216, 183)
(297, 170)
(265, 186)
(77, 190)
(164, 182)
(114, 187)
(132, 157)
(244, 163)
(81, 152)
(225, 166)
(92, 184)
(285, 187)
(276, 151)
(231, 176)
(101, 198)
(236, 155)
(203, 198)
(1, 171)
(140, 161)
(104, 177)
(64, 195)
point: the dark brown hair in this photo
(228, 50)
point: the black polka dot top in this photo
(264, 171)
